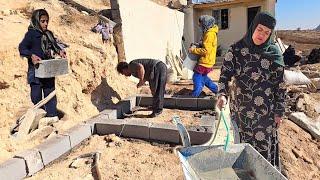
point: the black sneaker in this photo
(155, 114)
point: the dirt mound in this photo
(304, 40)
(92, 84)
(120, 159)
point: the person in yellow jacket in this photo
(207, 53)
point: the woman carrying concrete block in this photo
(207, 55)
(257, 100)
(37, 45)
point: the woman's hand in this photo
(222, 101)
(35, 59)
(191, 49)
(141, 83)
(278, 120)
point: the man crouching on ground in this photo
(151, 70)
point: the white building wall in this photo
(237, 21)
(149, 29)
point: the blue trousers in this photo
(201, 80)
(47, 85)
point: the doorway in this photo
(252, 12)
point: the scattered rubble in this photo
(313, 127)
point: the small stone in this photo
(289, 156)
(300, 105)
(297, 153)
(318, 164)
(307, 159)
(48, 121)
(111, 144)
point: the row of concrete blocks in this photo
(170, 102)
(31, 161)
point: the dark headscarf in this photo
(268, 48)
(47, 39)
(206, 22)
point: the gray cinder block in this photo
(164, 132)
(136, 129)
(186, 103)
(92, 123)
(169, 101)
(52, 68)
(204, 103)
(111, 126)
(32, 159)
(53, 148)
(132, 100)
(78, 133)
(109, 113)
(144, 100)
(13, 169)
(199, 135)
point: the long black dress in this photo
(257, 96)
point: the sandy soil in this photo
(91, 86)
(188, 118)
(120, 159)
(300, 153)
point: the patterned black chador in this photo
(258, 96)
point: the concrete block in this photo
(13, 169)
(53, 148)
(52, 68)
(111, 126)
(169, 101)
(164, 132)
(92, 121)
(144, 100)
(199, 135)
(109, 113)
(125, 106)
(204, 103)
(32, 159)
(78, 133)
(186, 103)
(207, 121)
(132, 100)
(136, 129)
(302, 120)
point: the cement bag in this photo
(190, 61)
(295, 78)
(171, 76)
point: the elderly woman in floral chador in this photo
(258, 97)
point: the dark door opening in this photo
(252, 12)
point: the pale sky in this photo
(291, 14)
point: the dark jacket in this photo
(31, 44)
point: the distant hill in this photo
(318, 28)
